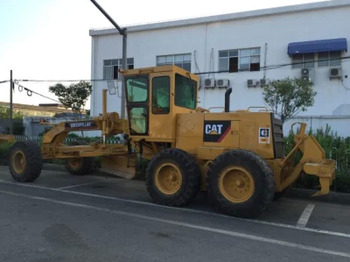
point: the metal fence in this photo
(69, 140)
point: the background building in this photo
(41, 110)
(252, 48)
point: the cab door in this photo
(137, 96)
(161, 117)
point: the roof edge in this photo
(226, 17)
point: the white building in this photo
(266, 44)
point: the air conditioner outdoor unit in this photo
(252, 83)
(222, 83)
(335, 72)
(264, 82)
(307, 74)
(209, 83)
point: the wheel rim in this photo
(19, 162)
(168, 178)
(236, 184)
(74, 163)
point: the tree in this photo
(73, 96)
(287, 97)
(5, 113)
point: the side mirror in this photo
(112, 90)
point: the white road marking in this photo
(188, 225)
(77, 185)
(305, 216)
(318, 231)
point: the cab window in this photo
(138, 120)
(161, 95)
(185, 92)
(137, 89)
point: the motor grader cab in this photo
(154, 98)
(238, 156)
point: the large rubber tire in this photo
(25, 161)
(240, 183)
(79, 166)
(172, 177)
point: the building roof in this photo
(228, 17)
(55, 109)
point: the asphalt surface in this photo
(60, 217)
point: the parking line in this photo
(305, 216)
(73, 186)
(313, 230)
(188, 225)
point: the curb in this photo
(332, 197)
(54, 167)
(62, 168)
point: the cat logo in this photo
(213, 129)
(216, 131)
(80, 125)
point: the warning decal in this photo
(264, 135)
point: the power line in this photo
(270, 67)
(31, 92)
(278, 66)
(62, 80)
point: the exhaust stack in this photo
(227, 99)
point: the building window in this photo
(329, 59)
(236, 60)
(303, 61)
(111, 67)
(323, 59)
(182, 60)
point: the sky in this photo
(49, 39)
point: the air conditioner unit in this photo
(223, 83)
(307, 74)
(264, 82)
(252, 83)
(335, 72)
(209, 83)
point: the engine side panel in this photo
(209, 134)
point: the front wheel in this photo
(25, 161)
(172, 177)
(240, 183)
(79, 166)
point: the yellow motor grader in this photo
(238, 156)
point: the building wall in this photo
(270, 29)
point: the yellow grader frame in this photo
(7, 138)
(238, 157)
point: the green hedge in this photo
(336, 148)
(4, 151)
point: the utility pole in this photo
(11, 104)
(122, 31)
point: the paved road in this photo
(61, 217)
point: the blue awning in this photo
(307, 47)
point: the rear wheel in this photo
(240, 183)
(25, 161)
(172, 177)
